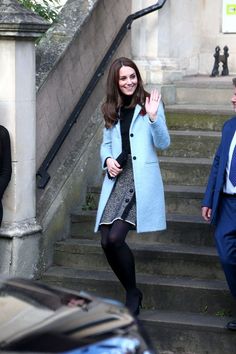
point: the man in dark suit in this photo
(219, 203)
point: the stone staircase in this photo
(186, 299)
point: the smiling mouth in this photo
(130, 87)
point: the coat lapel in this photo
(226, 144)
(117, 128)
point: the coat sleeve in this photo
(6, 169)
(159, 130)
(106, 146)
(210, 189)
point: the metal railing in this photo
(42, 174)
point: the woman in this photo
(5, 164)
(132, 195)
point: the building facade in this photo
(181, 38)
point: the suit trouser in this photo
(225, 236)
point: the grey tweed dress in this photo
(121, 204)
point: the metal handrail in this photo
(42, 171)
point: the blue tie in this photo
(232, 172)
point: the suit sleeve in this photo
(210, 189)
(6, 169)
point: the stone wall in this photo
(67, 58)
(180, 39)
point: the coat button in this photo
(127, 200)
(131, 190)
(134, 158)
(131, 135)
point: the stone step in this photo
(197, 144)
(204, 90)
(187, 229)
(160, 70)
(185, 200)
(188, 333)
(160, 292)
(179, 199)
(195, 117)
(184, 171)
(153, 258)
(202, 94)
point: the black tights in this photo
(118, 253)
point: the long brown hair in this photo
(114, 98)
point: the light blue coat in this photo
(145, 137)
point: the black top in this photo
(126, 115)
(5, 160)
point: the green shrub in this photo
(48, 9)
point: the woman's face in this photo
(128, 80)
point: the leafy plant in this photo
(90, 203)
(223, 313)
(48, 9)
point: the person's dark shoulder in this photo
(4, 132)
(230, 124)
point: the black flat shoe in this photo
(231, 325)
(134, 301)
